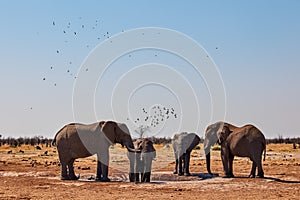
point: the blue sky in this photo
(255, 45)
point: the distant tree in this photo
(141, 130)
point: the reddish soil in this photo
(35, 175)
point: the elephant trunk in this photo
(208, 162)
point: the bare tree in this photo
(141, 130)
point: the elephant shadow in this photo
(204, 176)
(271, 178)
(280, 180)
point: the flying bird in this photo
(53, 23)
(57, 51)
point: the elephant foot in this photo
(252, 176)
(188, 174)
(228, 176)
(175, 172)
(131, 177)
(260, 175)
(64, 178)
(74, 177)
(103, 179)
(180, 174)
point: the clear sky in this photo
(254, 44)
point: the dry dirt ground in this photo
(36, 175)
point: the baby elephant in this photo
(143, 160)
(246, 141)
(183, 144)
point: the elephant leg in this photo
(176, 167)
(103, 159)
(224, 156)
(260, 173)
(132, 162)
(146, 177)
(99, 171)
(71, 170)
(180, 170)
(64, 172)
(147, 169)
(104, 169)
(230, 163)
(138, 168)
(187, 163)
(253, 169)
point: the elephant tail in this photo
(53, 143)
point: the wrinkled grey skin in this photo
(183, 144)
(246, 141)
(212, 136)
(79, 141)
(141, 163)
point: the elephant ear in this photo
(222, 135)
(109, 129)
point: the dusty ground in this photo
(35, 175)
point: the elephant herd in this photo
(79, 141)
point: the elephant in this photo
(245, 141)
(183, 144)
(142, 162)
(80, 140)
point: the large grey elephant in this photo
(183, 144)
(142, 162)
(245, 141)
(79, 141)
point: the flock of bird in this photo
(155, 116)
(71, 32)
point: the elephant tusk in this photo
(133, 150)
